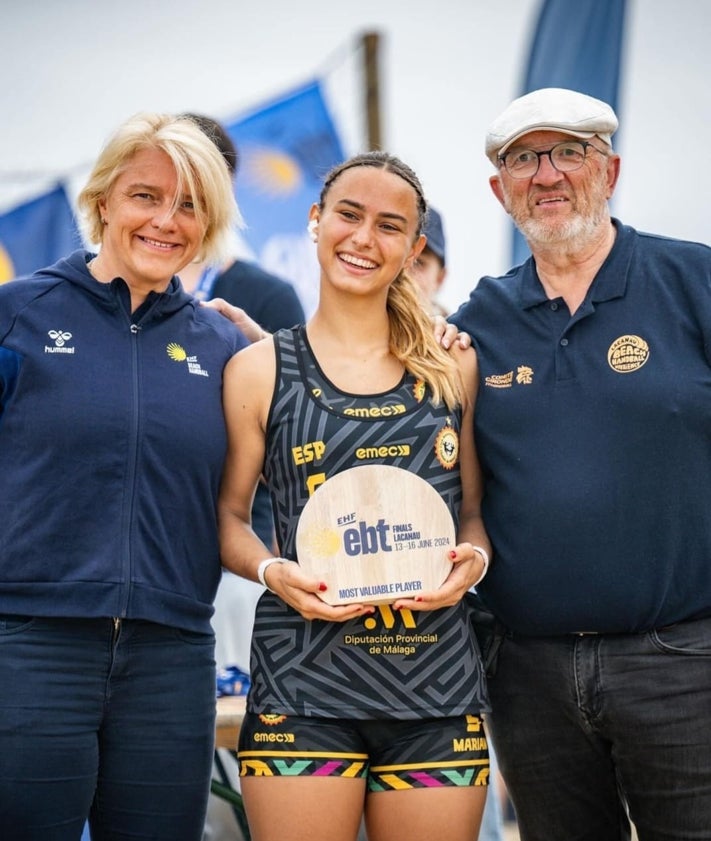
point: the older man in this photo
(593, 425)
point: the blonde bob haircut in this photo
(201, 173)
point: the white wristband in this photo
(485, 557)
(262, 568)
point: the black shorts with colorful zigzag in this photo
(390, 755)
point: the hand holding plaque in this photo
(374, 534)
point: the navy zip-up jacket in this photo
(112, 441)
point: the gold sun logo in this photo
(324, 542)
(176, 352)
(272, 172)
(7, 270)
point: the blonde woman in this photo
(112, 441)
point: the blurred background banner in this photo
(285, 149)
(438, 95)
(36, 234)
(578, 46)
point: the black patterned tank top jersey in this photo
(392, 664)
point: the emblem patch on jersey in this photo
(178, 354)
(418, 390)
(627, 354)
(447, 446)
(473, 724)
(271, 719)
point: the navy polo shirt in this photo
(594, 435)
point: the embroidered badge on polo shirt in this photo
(627, 354)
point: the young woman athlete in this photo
(354, 709)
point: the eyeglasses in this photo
(564, 157)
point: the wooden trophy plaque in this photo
(375, 533)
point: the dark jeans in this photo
(585, 726)
(117, 727)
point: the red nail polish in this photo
(452, 554)
(322, 587)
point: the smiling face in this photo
(367, 229)
(148, 237)
(556, 207)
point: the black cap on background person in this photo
(429, 270)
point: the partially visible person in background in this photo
(273, 303)
(430, 269)
(270, 301)
(112, 442)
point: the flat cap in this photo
(550, 109)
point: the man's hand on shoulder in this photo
(238, 317)
(447, 334)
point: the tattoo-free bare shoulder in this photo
(250, 375)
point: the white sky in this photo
(73, 69)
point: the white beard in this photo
(590, 212)
(575, 231)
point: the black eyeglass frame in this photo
(586, 144)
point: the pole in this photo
(372, 89)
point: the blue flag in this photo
(285, 149)
(577, 46)
(36, 234)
